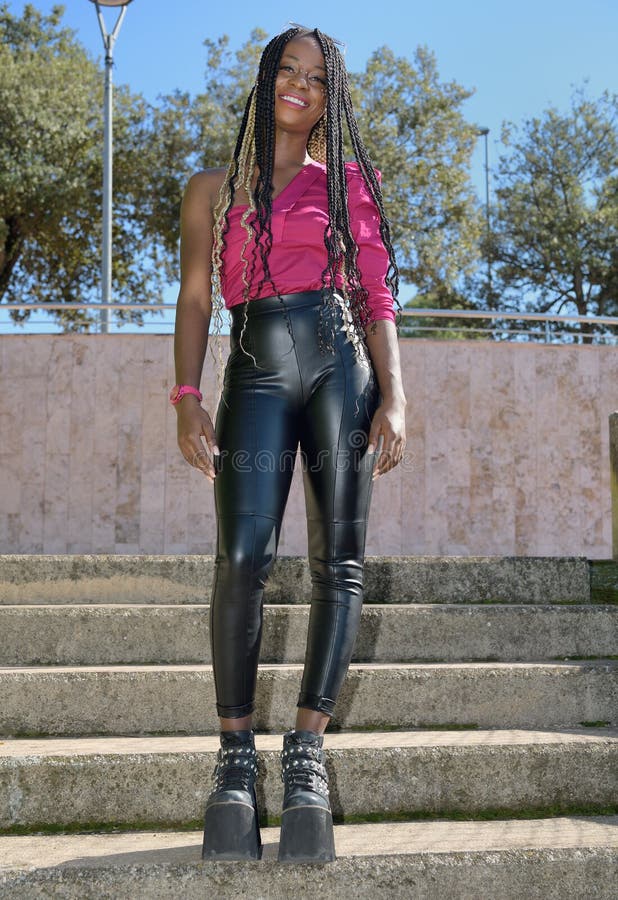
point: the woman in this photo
(297, 243)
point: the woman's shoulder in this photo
(353, 172)
(206, 184)
(358, 192)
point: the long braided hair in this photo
(255, 148)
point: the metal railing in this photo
(604, 332)
(497, 325)
(160, 318)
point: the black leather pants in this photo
(325, 402)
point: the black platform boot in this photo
(231, 827)
(306, 821)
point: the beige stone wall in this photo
(507, 452)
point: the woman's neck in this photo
(291, 151)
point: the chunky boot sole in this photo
(306, 835)
(231, 831)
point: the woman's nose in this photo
(296, 76)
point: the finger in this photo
(386, 460)
(391, 455)
(398, 450)
(381, 465)
(202, 461)
(195, 454)
(374, 437)
(211, 438)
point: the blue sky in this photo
(519, 58)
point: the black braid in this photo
(234, 170)
(342, 250)
(265, 147)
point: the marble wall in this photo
(507, 452)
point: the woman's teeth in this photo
(294, 100)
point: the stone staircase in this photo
(474, 753)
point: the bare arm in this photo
(389, 420)
(193, 313)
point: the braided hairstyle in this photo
(255, 147)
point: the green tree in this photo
(417, 135)
(218, 110)
(51, 173)
(50, 165)
(555, 224)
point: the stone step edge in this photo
(157, 784)
(99, 562)
(157, 634)
(32, 749)
(607, 663)
(459, 579)
(395, 839)
(427, 836)
(386, 608)
(134, 700)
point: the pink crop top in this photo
(298, 255)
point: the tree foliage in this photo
(51, 96)
(417, 135)
(51, 167)
(555, 224)
(218, 110)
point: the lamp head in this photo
(111, 2)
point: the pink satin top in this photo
(298, 255)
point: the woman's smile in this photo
(293, 100)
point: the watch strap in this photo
(181, 390)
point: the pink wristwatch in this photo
(179, 391)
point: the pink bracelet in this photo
(179, 391)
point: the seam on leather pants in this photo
(327, 667)
(254, 524)
(298, 365)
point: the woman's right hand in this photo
(194, 427)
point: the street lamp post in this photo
(109, 39)
(483, 132)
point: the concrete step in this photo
(134, 635)
(180, 699)
(388, 579)
(164, 782)
(553, 859)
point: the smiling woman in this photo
(294, 241)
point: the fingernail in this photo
(216, 451)
(371, 448)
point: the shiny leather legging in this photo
(326, 402)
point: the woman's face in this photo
(300, 89)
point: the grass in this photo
(101, 827)
(455, 815)
(333, 727)
(573, 656)
(600, 724)
(604, 581)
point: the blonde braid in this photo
(316, 145)
(240, 171)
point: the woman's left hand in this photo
(389, 421)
